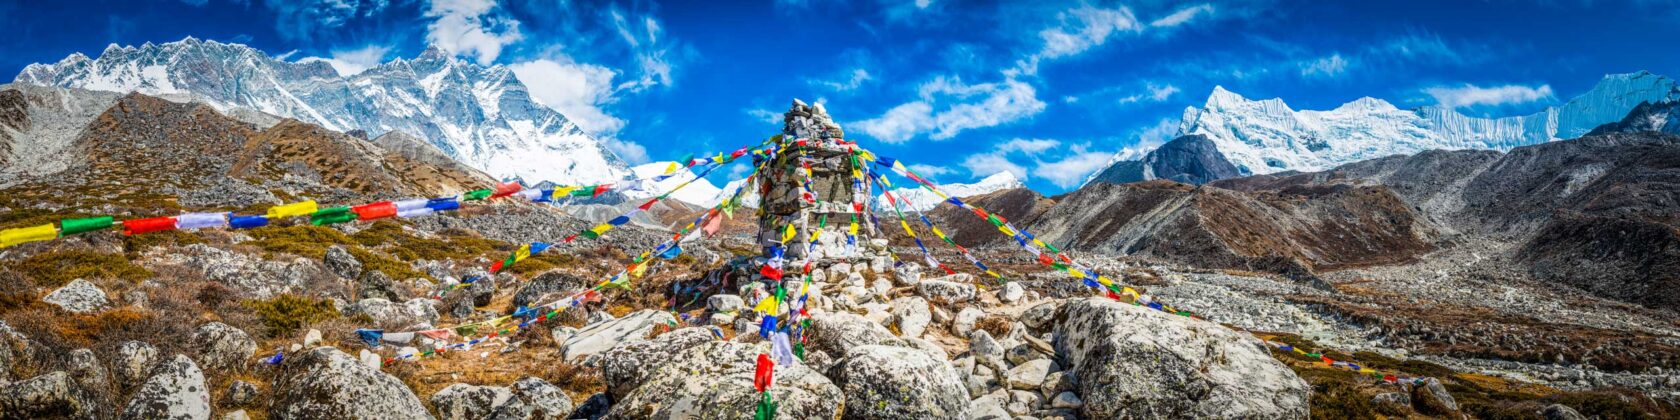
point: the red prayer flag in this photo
(770, 271)
(496, 267)
(1045, 259)
(1327, 360)
(155, 224)
(648, 204)
(765, 372)
(373, 211)
(601, 189)
(505, 189)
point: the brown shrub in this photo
(996, 325)
(54, 269)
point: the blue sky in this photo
(1048, 90)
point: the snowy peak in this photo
(918, 199)
(641, 183)
(481, 116)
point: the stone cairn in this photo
(780, 188)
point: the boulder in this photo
(480, 292)
(236, 415)
(600, 336)
(532, 291)
(222, 347)
(1130, 361)
(339, 262)
(326, 383)
(463, 402)
(907, 275)
(715, 381)
(593, 408)
(254, 276)
(1561, 412)
(989, 407)
(627, 365)
(724, 303)
(952, 289)
(312, 338)
(133, 362)
(1023, 353)
(1011, 292)
(394, 315)
(838, 332)
(966, 318)
(176, 390)
(1040, 316)
(1030, 375)
(1431, 397)
(375, 284)
(53, 395)
(547, 402)
(1066, 400)
(896, 382)
(241, 393)
(92, 377)
(79, 296)
(1056, 383)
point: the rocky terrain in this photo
(1498, 285)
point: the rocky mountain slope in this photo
(482, 116)
(1267, 136)
(1191, 159)
(913, 197)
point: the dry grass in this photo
(54, 269)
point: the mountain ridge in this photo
(481, 116)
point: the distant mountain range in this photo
(481, 116)
(1267, 136)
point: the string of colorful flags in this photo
(1113, 289)
(321, 216)
(887, 192)
(669, 249)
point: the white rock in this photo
(79, 296)
(724, 303)
(1066, 400)
(312, 339)
(912, 315)
(370, 360)
(176, 390)
(1030, 375)
(965, 321)
(1011, 292)
(601, 336)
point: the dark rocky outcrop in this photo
(1191, 159)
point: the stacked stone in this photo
(831, 184)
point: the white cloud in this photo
(765, 115)
(308, 19)
(900, 123)
(948, 107)
(853, 80)
(467, 27)
(577, 90)
(651, 56)
(1084, 28)
(1182, 15)
(632, 153)
(1471, 95)
(985, 164)
(930, 170)
(285, 55)
(1028, 146)
(1164, 130)
(1331, 66)
(1073, 169)
(351, 62)
(1156, 93)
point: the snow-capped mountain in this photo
(916, 198)
(701, 192)
(1265, 136)
(482, 116)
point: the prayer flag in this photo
(373, 211)
(302, 208)
(478, 194)
(10, 237)
(410, 204)
(247, 222)
(505, 189)
(75, 226)
(672, 252)
(788, 233)
(443, 204)
(600, 189)
(763, 373)
(201, 220)
(333, 215)
(155, 224)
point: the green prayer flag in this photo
(466, 330)
(588, 191)
(330, 216)
(766, 408)
(1052, 248)
(476, 195)
(588, 233)
(75, 226)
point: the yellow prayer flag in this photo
(302, 208)
(1129, 292)
(523, 253)
(671, 169)
(907, 228)
(936, 232)
(1006, 230)
(1104, 280)
(1039, 243)
(768, 305)
(638, 270)
(816, 234)
(561, 191)
(1367, 370)
(10, 237)
(1075, 273)
(789, 233)
(601, 229)
(900, 166)
(854, 229)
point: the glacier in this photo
(919, 199)
(482, 116)
(1267, 136)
